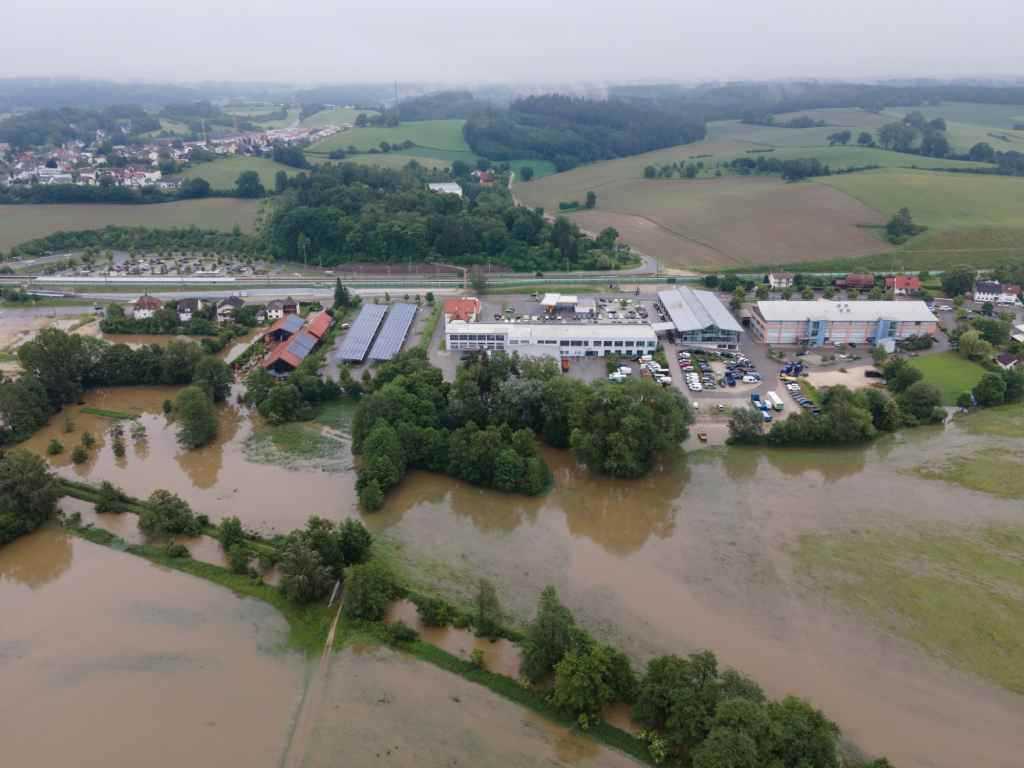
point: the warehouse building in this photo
(552, 340)
(817, 323)
(699, 319)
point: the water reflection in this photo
(36, 560)
(203, 465)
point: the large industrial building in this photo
(817, 323)
(552, 339)
(699, 319)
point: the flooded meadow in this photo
(700, 554)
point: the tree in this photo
(901, 226)
(167, 514)
(196, 417)
(230, 533)
(369, 589)
(488, 610)
(526, 172)
(59, 361)
(990, 390)
(591, 200)
(678, 697)
(973, 347)
(746, 426)
(900, 374)
(964, 401)
(478, 280)
(995, 332)
(711, 282)
(249, 185)
(800, 735)
(921, 401)
(28, 494)
(982, 152)
(840, 137)
(215, 377)
(762, 292)
(956, 281)
(583, 683)
(342, 298)
(304, 578)
(650, 172)
(280, 181)
(548, 637)
(865, 139)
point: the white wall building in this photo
(446, 188)
(700, 319)
(552, 339)
(821, 322)
(779, 280)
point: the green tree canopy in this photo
(28, 494)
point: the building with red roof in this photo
(903, 285)
(465, 309)
(318, 324)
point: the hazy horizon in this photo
(189, 41)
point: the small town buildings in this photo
(467, 309)
(318, 324)
(278, 308)
(187, 308)
(821, 322)
(552, 339)
(858, 282)
(1006, 361)
(559, 302)
(699, 319)
(145, 307)
(903, 285)
(288, 355)
(283, 329)
(779, 280)
(987, 290)
(227, 309)
(446, 188)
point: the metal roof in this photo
(392, 335)
(846, 311)
(692, 310)
(535, 332)
(360, 335)
(301, 345)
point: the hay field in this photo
(728, 221)
(222, 174)
(19, 223)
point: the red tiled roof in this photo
(903, 283)
(319, 323)
(280, 352)
(461, 309)
(148, 302)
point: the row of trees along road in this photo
(482, 427)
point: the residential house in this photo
(987, 291)
(903, 285)
(446, 188)
(1006, 361)
(227, 309)
(187, 308)
(779, 280)
(288, 355)
(859, 282)
(466, 309)
(283, 329)
(318, 324)
(145, 307)
(278, 308)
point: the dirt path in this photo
(312, 703)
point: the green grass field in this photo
(1002, 421)
(954, 592)
(338, 116)
(222, 174)
(427, 134)
(840, 157)
(19, 223)
(996, 471)
(950, 372)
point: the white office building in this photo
(552, 339)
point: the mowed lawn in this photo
(954, 592)
(950, 372)
(222, 174)
(19, 223)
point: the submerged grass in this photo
(998, 471)
(959, 593)
(1002, 421)
(108, 414)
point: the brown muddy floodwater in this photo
(108, 660)
(216, 480)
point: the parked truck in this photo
(774, 401)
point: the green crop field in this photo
(427, 134)
(338, 116)
(839, 157)
(991, 115)
(19, 223)
(222, 174)
(950, 372)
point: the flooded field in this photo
(701, 554)
(381, 708)
(110, 660)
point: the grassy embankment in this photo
(222, 174)
(950, 372)
(955, 592)
(20, 223)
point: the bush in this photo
(476, 658)
(196, 416)
(167, 513)
(109, 495)
(230, 533)
(176, 550)
(369, 589)
(88, 441)
(79, 455)
(55, 447)
(239, 557)
(304, 577)
(400, 632)
(433, 611)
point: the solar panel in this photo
(291, 323)
(301, 345)
(393, 334)
(361, 334)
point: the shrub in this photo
(55, 447)
(433, 611)
(79, 455)
(238, 558)
(476, 658)
(369, 588)
(304, 577)
(176, 550)
(88, 441)
(167, 513)
(109, 495)
(230, 533)
(400, 632)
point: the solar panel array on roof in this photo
(302, 344)
(393, 334)
(291, 323)
(360, 335)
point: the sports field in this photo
(19, 223)
(222, 174)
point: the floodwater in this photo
(109, 660)
(216, 480)
(381, 708)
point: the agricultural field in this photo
(19, 223)
(441, 139)
(715, 223)
(222, 174)
(338, 116)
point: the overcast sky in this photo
(526, 40)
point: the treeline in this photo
(350, 212)
(481, 428)
(142, 239)
(59, 367)
(57, 126)
(190, 189)
(791, 170)
(444, 105)
(570, 131)
(203, 115)
(803, 121)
